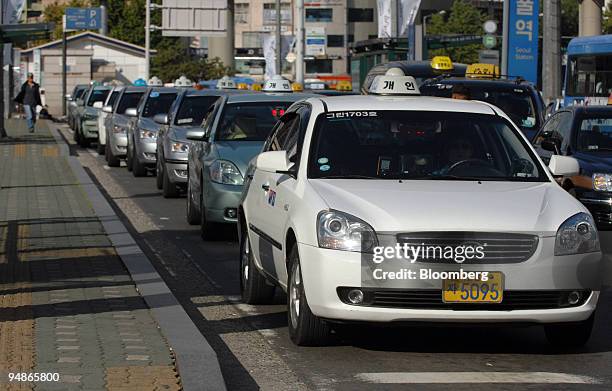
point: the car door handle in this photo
(265, 187)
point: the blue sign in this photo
(83, 18)
(523, 39)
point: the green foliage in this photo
(569, 18)
(463, 18)
(607, 20)
(172, 60)
(127, 21)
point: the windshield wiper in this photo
(606, 149)
(444, 178)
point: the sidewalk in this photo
(67, 304)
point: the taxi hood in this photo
(394, 206)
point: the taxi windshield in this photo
(517, 103)
(595, 135)
(249, 121)
(193, 108)
(420, 145)
(97, 95)
(158, 104)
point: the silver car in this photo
(142, 132)
(107, 110)
(117, 123)
(71, 102)
(86, 119)
(234, 131)
(187, 113)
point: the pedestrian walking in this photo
(29, 97)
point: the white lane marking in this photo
(475, 377)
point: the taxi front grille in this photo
(431, 299)
(497, 248)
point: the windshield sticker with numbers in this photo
(349, 114)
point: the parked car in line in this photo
(341, 180)
(234, 131)
(584, 133)
(86, 118)
(143, 130)
(117, 123)
(71, 103)
(107, 110)
(516, 97)
(187, 112)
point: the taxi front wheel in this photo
(569, 335)
(305, 328)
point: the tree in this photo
(463, 18)
(127, 21)
(607, 20)
(569, 18)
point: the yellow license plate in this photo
(474, 291)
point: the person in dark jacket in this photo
(29, 97)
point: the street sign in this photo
(488, 57)
(490, 27)
(316, 41)
(83, 18)
(207, 18)
(523, 39)
(489, 41)
(444, 41)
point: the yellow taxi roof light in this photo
(297, 87)
(489, 71)
(256, 87)
(442, 63)
(344, 85)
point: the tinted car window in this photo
(129, 100)
(97, 96)
(595, 135)
(158, 103)
(249, 121)
(113, 98)
(419, 145)
(517, 103)
(193, 109)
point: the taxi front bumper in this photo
(326, 272)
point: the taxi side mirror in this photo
(107, 109)
(98, 104)
(195, 135)
(131, 112)
(161, 119)
(273, 161)
(563, 166)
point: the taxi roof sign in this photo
(256, 87)
(297, 87)
(393, 83)
(442, 63)
(155, 82)
(226, 83)
(344, 85)
(243, 86)
(482, 71)
(183, 82)
(277, 84)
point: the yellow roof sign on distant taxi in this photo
(344, 85)
(488, 71)
(256, 87)
(442, 63)
(297, 87)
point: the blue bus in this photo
(588, 74)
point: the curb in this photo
(197, 362)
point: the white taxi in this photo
(392, 208)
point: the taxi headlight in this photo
(222, 171)
(342, 231)
(177, 146)
(577, 235)
(118, 130)
(602, 182)
(148, 134)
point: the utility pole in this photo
(223, 47)
(279, 59)
(64, 66)
(104, 20)
(506, 34)
(147, 40)
(551, 50)
(589, 17)
(2, 130)
(299, 45)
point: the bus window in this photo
(590, 75)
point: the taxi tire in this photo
(208, 230)
(101, 149)
(310, 330)
(138, 169)
(254, 288)
(128, 159)
(83, 142)
(77, 136)
(569, 335)
(111, 159)
(193, 215)
(158, 173)
(169, 189)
